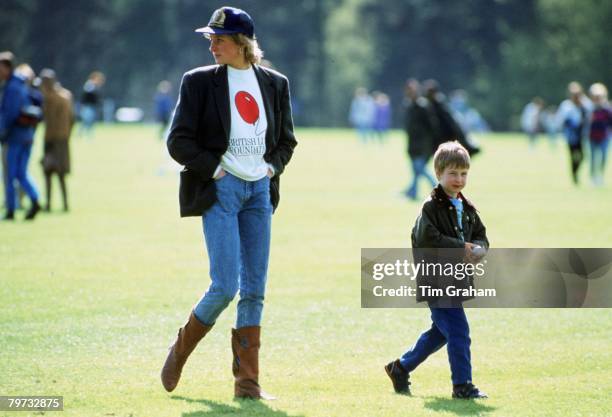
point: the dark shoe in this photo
(33, 211)
(399, 377)
(473, 150)
(575, 178)
(188, 337)
(10, 215)
(471, 146)
(245, 366)
(467, 391)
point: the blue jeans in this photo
(17, 158)
(599, 156)
(364, 131)
(450, 327)
(88, 118)
(419, 165)
(237, 233)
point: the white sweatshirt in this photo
(247, 138)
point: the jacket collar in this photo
(220, 74)
(14, 78)
(222, 97)
(267, 94)
(440, 197)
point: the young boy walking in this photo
(447, 220)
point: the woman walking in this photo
(233, 131)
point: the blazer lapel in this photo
(267, 94)
(222, 98)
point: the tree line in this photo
(502, 52)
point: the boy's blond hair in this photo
(451, 154)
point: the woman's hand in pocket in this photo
(220, 175)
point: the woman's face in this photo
(226, 51)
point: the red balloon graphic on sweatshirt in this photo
(247, 107)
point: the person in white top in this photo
(247, 141)
(362, 113)
(232, 130)
(530, 119)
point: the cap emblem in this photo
(218, 19)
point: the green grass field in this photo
(91, 300)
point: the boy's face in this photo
(453, 179)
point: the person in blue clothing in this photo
(164, 104)
(2, 145)
(600, 131)
(32, 114)
(17, 125)
(382, 115)
(362, 113)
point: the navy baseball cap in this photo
(228, 20)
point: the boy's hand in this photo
(474, 253)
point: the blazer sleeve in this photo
(426, 233)
(479, 234)
(281, 155)
(183, 136)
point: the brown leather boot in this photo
(245, 367)
(187, 339)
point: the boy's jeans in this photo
(450, 327)
(237, 234)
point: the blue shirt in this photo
(163, 106)
(458, 203)
(14, 98)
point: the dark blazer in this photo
(199, 133)
(448, 128)
(437, 232)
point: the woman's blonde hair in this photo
(250, 48)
